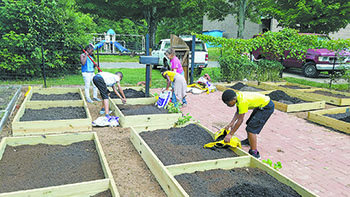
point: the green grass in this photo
(214, 53)
(341, 87)
(131, 77)
(117, 58)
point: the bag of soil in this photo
(164, 98)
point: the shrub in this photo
(236, 68)
(268, 70)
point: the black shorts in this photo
(259, 117)
(101, 86)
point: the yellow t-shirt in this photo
(171, 74)
(250, 100)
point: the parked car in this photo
(200, 59)
(314, 61)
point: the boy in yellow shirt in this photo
(262, 107)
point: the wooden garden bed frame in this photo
(222, 88)
(320, 118)
(308, 94)
(51, 126)
(314, 103)
(144, 121)
(165, 174)
(77, 189)
(276, 86)
(135, 101)
(53, 91)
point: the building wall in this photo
(230, 27)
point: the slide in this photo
(120, 47)
(99, 45)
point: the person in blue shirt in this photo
(88, 69)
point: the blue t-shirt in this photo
(89, 66)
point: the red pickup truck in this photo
(314, 61)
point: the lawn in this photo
(117, 58)
(131, 77)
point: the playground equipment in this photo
(112, 43)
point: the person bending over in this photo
(104, 79)
(262, 107)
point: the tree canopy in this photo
(312, 16)
(28, 24)
(242, 9)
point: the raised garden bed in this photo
(183, 145)
(244, 87)
(8, 98)
(132, 95)
(54, 94)
(52, 117)
(336, 118)
(285, 86)
(166, 174)
(142, 116)
(330, 96)
(59, 165)
(285, 102)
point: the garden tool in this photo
(90, 58)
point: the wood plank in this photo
(318, 117)
(166, 181)
(56, 139)
(299, 106)
(106, 170)
(77, 190)
(225, 163)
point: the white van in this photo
(200, 59)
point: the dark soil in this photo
(53, 97)
(183, 145)
(341, 116)
(37, 166)
(243, 87)
(234, 182)
(330, 94)
(294, 87)
(6, 94)
(129, 93)
(130, 110)
(54, 113)
(106, 193)
(282, 97)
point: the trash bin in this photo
(214, 33)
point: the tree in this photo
(309, 16)
(242, 9)
(191, 21)
(153, 11)
(26, 25)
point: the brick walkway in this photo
(314, 156)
